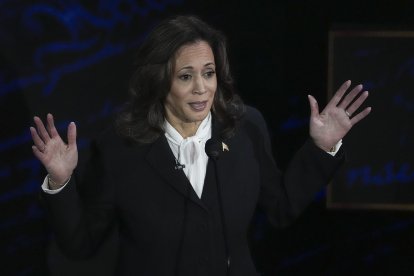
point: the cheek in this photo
(212, 86)
(180, 91)
(214, 90)
(176, 97)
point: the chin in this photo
(197, 116)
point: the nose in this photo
(199, 86)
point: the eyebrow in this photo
(191, 67)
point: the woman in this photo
(179, 213)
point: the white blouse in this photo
(189, 152)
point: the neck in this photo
(185, 129)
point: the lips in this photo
(198, 106)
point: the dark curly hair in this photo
(142, 118)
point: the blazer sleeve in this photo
(283, 196)
(82, 214)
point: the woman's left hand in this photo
(338, 117)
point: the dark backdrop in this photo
(74, 58)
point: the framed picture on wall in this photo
(379, 168)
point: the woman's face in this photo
(193, 84)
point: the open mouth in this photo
(198, 106)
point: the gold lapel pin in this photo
(225, 147)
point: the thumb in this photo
(314, 108)
(72, 135)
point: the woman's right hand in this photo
(59, 158)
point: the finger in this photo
(38, 142)
(51, 126)
(351, 96)
(360, 115)
(72, 135)
(37, 153)
(41, 130)
(339, 94)
(313, 106)
(358, 102)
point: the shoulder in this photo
(253, 120)
(112, 143)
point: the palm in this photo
(59, 158)
(333, 123)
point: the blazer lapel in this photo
(226, 160)
(163, 161)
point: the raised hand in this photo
(59, 158)
(338, 117)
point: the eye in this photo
(185, 77)
(209, 74)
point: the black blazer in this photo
(165, 229)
